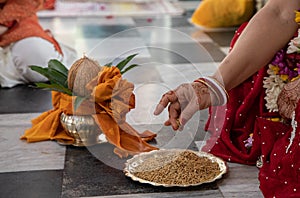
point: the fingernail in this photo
(155, 112)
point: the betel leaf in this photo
(57, 77)
(58, 66)
(124, 62)
(108, 64)
(129, 68)
(54, 87)
(52, 75)
(40, 70)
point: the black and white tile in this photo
(171, 51)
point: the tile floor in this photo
(170, 51)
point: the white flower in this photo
(294, 44)
(273, 85)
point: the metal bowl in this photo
(83, 129)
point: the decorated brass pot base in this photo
(83, 129)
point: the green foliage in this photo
(54, 87)
(122, 65)
(58, 66)
(57, 74)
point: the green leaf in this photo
(78, 101)
(129, 68)
(53, 87)
(54, 76)
(58, 66)
(57, 77)
(124, 62)
(40, 70)
(108, 64)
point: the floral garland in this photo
(284, 68)
(297, 16)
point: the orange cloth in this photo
(111, 100)
(21, 19)
(49, 4)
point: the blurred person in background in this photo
(23, 42)
(212, 14)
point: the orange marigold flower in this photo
(297, 17)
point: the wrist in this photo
(221, 96)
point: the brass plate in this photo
(132, 164)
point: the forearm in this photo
(267, 32)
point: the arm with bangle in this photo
(266, 33)
(240, 63)
(243, 61)
(219, 94)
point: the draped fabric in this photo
(279, 175)
(246, 116)
(233, 123)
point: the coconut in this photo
(81, 72)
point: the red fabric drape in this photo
(245, 113)
(232, 123)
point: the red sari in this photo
(245, 114)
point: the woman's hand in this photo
(184, 102)
(3, 29)
(288, 98)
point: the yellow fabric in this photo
(223, 13)
(297, 17)
(111, 99)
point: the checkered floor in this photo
(170, 51)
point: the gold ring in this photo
(178, 122)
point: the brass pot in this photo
(83, 129)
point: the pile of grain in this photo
(181, 168)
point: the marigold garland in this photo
(284, 68)
(297, 16)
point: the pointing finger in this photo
(167, 98)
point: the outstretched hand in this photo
(183, 103)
